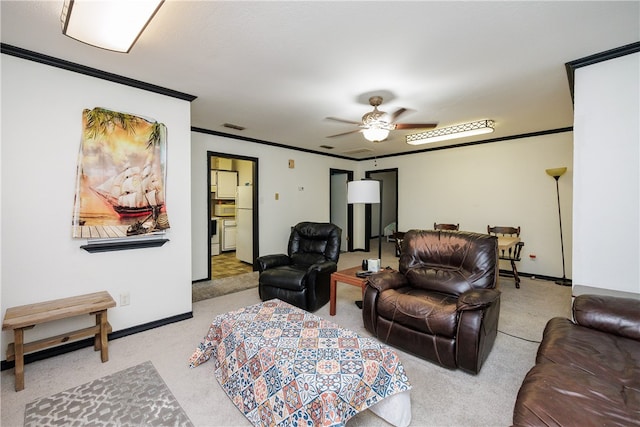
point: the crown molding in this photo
(617, 52)
(88, 71)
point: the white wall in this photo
(501, 183)
(41, 129)
(275, 217)
(607, 182)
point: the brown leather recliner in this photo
(442, 304)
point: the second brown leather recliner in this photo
(442, 304)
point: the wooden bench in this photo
(27, 316)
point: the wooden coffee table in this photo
(347, 276)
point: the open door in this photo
(389, 180)
(233, 213)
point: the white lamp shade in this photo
(363, 191)
(375, 134)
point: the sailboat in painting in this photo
(132, 192)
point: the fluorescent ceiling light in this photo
(452, 132)
(107, 24)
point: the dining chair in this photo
(453, 227)
(398, 237)
(508, 250)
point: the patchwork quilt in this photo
(282, 366)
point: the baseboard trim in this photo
(77, 345)
(509, 273)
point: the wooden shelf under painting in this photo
(123, 245)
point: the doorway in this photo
(389, 181)
(233, 212)
(341, 213)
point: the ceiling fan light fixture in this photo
(375, 133)
(112, 25)
(452, 132)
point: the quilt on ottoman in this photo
(284, 366)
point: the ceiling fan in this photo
(376, 124)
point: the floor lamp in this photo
(367, 191)
(556, 173)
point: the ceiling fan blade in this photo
(343, 120)
(401, 126)
(394, 116)
(345, 133)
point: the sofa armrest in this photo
(324, 267)
(387, 280)
(614, 315)
(374, 285)
(271, 261)
(477, 299)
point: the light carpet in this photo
(133, 397)
(439, 397)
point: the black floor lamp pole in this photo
(564, 281)
(380, 228)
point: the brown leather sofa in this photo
(587, 372)
(442, 304)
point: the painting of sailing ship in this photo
(133, 192)
(120, 188)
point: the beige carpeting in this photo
(440, 397)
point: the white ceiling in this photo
(280, 68)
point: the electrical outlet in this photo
(125, 298)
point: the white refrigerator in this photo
(244, 223)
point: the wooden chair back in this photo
(513, 253)
(453, 227)
(398, 237)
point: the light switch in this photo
(292, 164)
(277, 196)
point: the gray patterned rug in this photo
(136, 396)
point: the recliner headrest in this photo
(316, 238)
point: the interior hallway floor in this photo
(226, 265)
